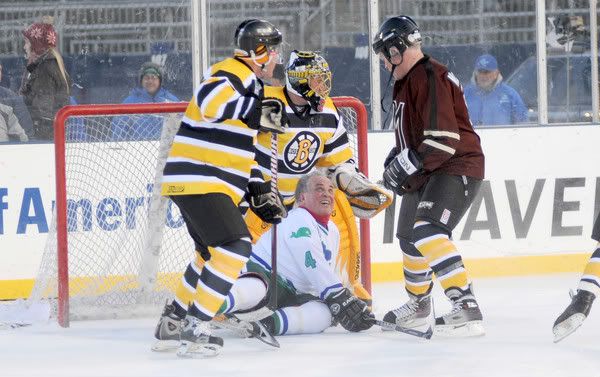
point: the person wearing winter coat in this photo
(10, 126)
(489, 100)
(45, 85)
(147, 127)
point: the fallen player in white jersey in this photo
(310, 293)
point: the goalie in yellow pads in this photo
(316, 138)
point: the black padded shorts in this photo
(212, 219)
(443, 201)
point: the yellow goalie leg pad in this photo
(348, 260)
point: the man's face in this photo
(319, 197)
(27, 48)
(151, 83)
(395, 58)
(267, 72)
(486, 79)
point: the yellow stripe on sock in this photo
(415, 264)
(436, 248)
(225, 264)
(592, 268)
(417, 289)
(183, 292)
(458, 280)
(207, 300)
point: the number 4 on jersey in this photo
(309, 261)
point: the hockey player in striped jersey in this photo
(437, 167)
(317, 138)
(587, 291)
(310, 292)
(211, 167)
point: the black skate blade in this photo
(261, 333)
(392, 326)
(258, 331)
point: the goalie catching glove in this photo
(353, 314)
(366, 198)
(400, 168)
(267, 205)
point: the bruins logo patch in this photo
(301, 151)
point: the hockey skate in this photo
(167, 331)
(415, 313)
(464, 320)
(574, 314)
(197, 340)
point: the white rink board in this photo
(559, 162)
(562, 161)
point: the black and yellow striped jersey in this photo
(214, 150)
(318, 139)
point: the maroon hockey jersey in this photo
(431, 117)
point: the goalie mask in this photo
(259, 40)
(308, 76)
(399, 32)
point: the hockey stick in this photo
(392, 326)
(274, 168)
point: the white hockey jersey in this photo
(306, 253)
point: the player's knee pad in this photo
(241, 247)
(249, 296)
(425, 229)
(409, 248)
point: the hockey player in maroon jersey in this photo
(437, 167)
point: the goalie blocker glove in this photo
(400, 169)
(269, 116)
(267, 205)
(353, 314)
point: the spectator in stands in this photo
(17, 106)
(489, 100)
(9, 125)
(150, 91)
(46, 84)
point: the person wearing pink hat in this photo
(45, 85)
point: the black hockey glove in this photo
(402, 167)
(269, 116)
(390, 156)
(353, 314)
(267, 205)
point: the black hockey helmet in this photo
(254, 37)
(309, 76)
(400, 32)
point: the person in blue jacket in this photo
(147, 127)
(489, 100)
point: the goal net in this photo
(116, 247)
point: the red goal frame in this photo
(179, 107)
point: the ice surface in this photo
(518, 314)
